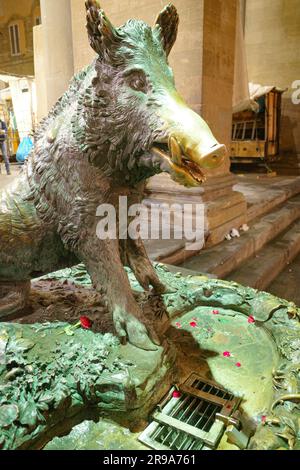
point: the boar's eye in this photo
(138, 82)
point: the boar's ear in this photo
(102, 34)
(167, 21)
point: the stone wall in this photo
(23, 12)
(219, 31)
(272, 40)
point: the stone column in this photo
(272, 37)
(40, 72)
(57, 48)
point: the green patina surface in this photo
(252, 354)
(97, 436)
(47, 377)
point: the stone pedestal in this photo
(224, 209)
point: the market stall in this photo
(17, 108)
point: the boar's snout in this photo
(185, 165)
(188, 147)
(207, 158)
(214, 156)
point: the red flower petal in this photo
(263, 419)
(178, 325)
(176, 394)
(251, 319)
(238, 364)
(226, 354)
(86, 323)
(215, 312)
(193, 324)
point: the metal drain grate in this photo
(195, 421)
(161, 437)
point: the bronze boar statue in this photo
(120, 122)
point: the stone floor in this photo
(5, 180)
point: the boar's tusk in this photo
(175, 149)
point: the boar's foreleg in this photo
(103, 262)
(134, 255)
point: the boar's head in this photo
(135, 122)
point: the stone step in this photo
(263, 194)
(286, 285)
(260, 270)
(288, 165)
(228, 255)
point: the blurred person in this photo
(3, 146)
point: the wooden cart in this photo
(255, 134)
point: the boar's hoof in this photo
(129, 327)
